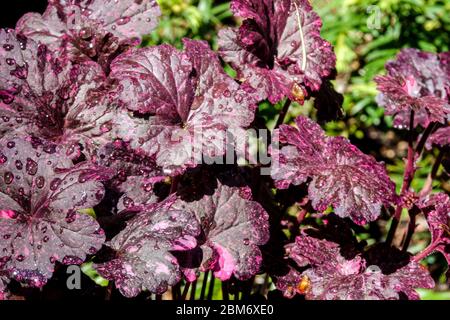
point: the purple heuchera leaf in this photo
(437, 211)
(444, 58)
(440, 138)
(48, 97)
(134, 175)
(233, 228)
(292, 283)
(278, 49)
(144, 248)
(330, 276)
(4, 280)
(416, 81)
(355, 184)
(192, 108)
(96, 29)
(41, 192)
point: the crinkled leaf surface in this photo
(278, 49)
(329, 276)
(291, 283)
(4, 280)
(144, 248)
(355, 184)
(134, 175)
(233, 228)
(48, 97)
(440, 138)
(191, 109)
(41, 192)
(416, 81)
(437, 210)
(97, 29)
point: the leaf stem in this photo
(428, 186)
(108, 292)
(407, 179)
(193, 290)
(225, 295)
(204, 284)
(283, 113)
(211, 287)
(426, 252)
(173, 187)
(411, 229)
(424, 138)
(185, 291)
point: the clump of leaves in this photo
(138, 138)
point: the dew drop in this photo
(246, 241)
(71, 260)
(106, 127)
(10, 61)
(9, 177)
(31, 167)
(147, 187)
(11, 144)
(55, 184)
(19, 165)
(3, 158)
(86, 33)
(40, 182)
(8, 47)
(71, 217)
(99, 195)
(123, 21)
(83, 177)
(128, 202)
(238, 98)
(20, 72)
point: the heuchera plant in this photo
(130, 158)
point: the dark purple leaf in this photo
(445, 65)
(191, 109)
(144, 248)
(278, 49)
(440, 138)
(437, 211)
(97, 29)
(4, 280)
(233, 228)
(329, 276)
(342, 176)
(41, 193)
(291, 283)
(50, 98)
(416, 81)
(134, 175)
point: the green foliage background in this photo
(365, 34)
